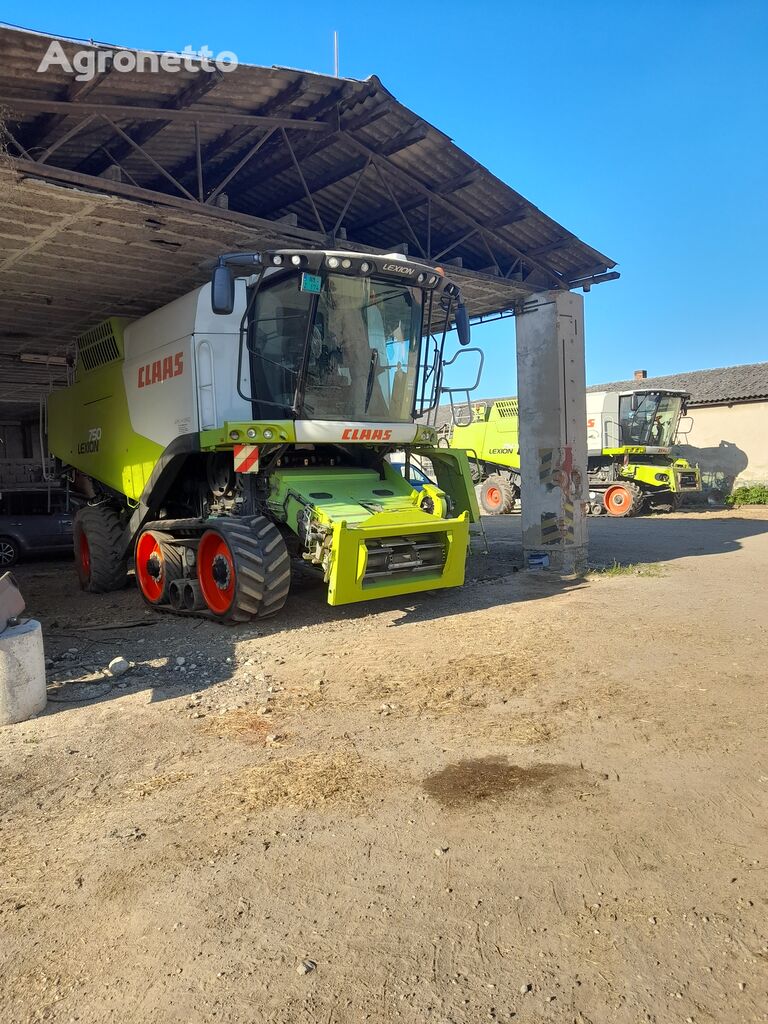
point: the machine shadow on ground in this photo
(212, 652)
(84, 632)
(658, 538)
(667, 538)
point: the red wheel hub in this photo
(150, 567)
(618, 500)
(493, 496)
(84, 551)
(216, 572)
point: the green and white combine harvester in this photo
(248, 423)
(629, 461)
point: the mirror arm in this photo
(462, 323)
(239, 259)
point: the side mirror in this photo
(462, 324)
(222, 290)
(635, 402)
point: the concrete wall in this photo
(730, 444)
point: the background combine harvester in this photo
(248, 423)
(629, 440)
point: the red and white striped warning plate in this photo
(246, 458)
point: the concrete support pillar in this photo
(553, 428)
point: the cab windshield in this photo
(653, 423)
(357, 361)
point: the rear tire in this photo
(98, 536)
(623, 500)
(244, 569)
(158, 563)
(9, 552)
(497, 496)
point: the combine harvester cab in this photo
(630, 436)
(247, 424)
(630, 462)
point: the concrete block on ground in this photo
(22, 672)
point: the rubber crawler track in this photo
(262, 568)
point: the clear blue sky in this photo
(642, 127)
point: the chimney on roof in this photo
(641, 374)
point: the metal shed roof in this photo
(116, 192)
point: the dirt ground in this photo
(528, 800)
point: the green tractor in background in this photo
(629, 439)
(247, 426)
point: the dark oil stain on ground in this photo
(489, 778)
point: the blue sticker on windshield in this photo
(311, 283)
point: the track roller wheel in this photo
(98, 536)
(244, 568)
(158, 563)
(497, 496)
(623, 500)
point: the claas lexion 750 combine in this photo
(247, 424)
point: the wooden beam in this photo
(303, 181)
(395, 145)
(353, 122)
(42, 127)
(201, 86)
(559, 243)
(337, 226)
(147, 156)
(456, 211)
(46, 172)
(297, 194)
(457, 183)
(504, 220)
(398, 206)
(240, 164)
(409, 137)
(237, 135)
(138, 113)
(383, 213)
(462, 238)
(74, 130)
